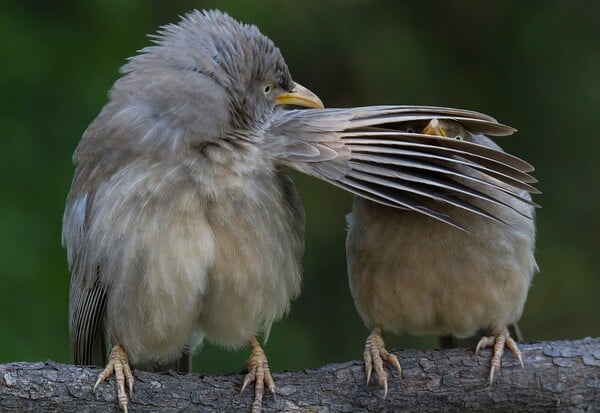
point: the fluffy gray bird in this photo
(409, 272)
(180, 225)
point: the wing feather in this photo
(87, 296)
(367, 152)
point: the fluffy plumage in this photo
(180, 226)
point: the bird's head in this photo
(447, 128)
(204, 77)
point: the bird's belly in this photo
(412, 273)
(223, 267)
(444, 301)
(256, 271)
(156, 288)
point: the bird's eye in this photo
(267, 89)
(459, 138)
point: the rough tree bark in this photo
(558, 376)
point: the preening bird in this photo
(180, 224)
(410, 272)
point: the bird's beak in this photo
(299, 96)
(434, 128)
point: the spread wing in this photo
(367, 151)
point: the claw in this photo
(249, 378)
(483, 343)
(259, 373)
(374, 355)
(512, 345)
(118, 363)
(385, 388)
(498, 340)
(368, 360)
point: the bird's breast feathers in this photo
(177, 252)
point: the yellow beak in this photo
(434, 128)
(299, 96)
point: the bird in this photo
(181, 224)
(409, 272)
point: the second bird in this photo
(410, 272)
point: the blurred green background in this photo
(534, 65)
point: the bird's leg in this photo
(259, 373)
(118, 364)
(500, 337)
(375, 354)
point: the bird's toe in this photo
(259, 373)
(118, 363)
(499, 339)
(374, 355)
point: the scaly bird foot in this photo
(375, 354)
(118, 364)
(259, 373)
(498, 340)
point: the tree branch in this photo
(558, 376)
